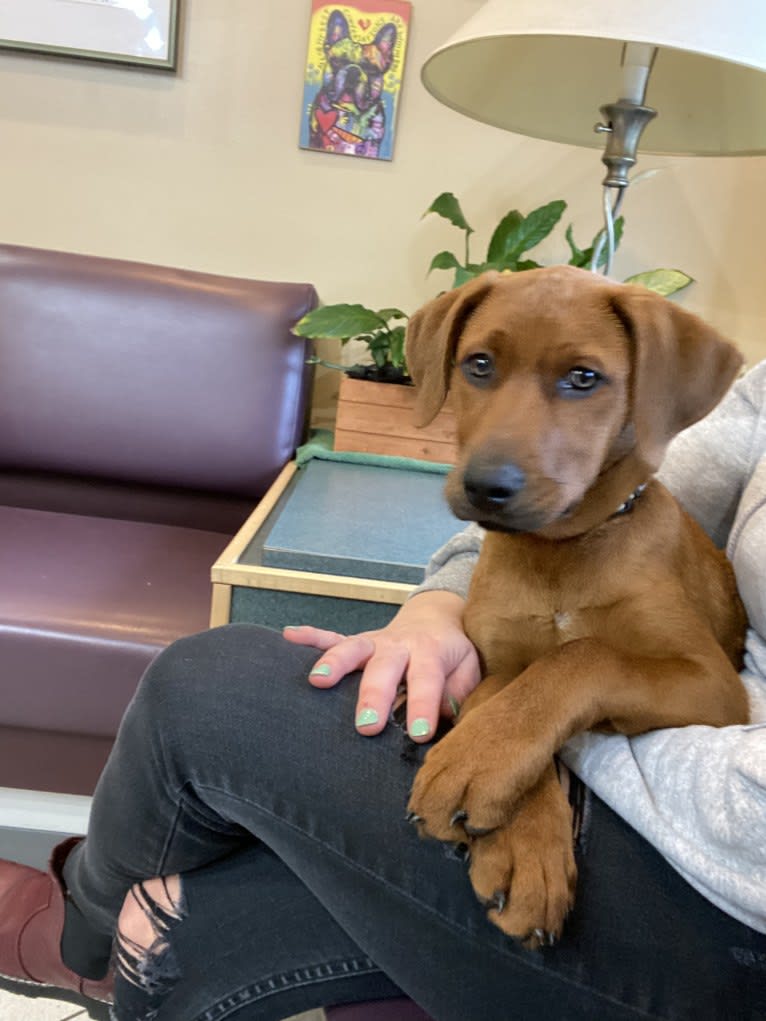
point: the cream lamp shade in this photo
(545, 67)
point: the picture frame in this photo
(133, 33)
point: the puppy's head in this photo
(567, 389)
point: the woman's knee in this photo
(228, 671)
(214, 665)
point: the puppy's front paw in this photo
(525, 871)
(470, 781)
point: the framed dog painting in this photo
(353, 76)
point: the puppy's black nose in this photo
(490, 486)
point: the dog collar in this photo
(627, 506)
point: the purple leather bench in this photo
(143, 412)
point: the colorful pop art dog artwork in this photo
(352, 111)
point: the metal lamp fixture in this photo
(544, 67)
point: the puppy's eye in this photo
(579, 381)
(478, 368)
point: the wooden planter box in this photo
(378, 418)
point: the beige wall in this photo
(202, 169)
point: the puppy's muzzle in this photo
(491, 486)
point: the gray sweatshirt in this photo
(698, 794)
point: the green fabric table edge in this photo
(320, 446)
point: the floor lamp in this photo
(545, 68)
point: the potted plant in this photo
(375, 417)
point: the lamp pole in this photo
(624, 123)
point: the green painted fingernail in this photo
(321, 671)
(454, 705)
(420, 727)
(367, 718)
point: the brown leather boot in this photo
(31, 923)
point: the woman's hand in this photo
(425, 644)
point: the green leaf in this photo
(516, 234)
(447, 205)
(379, 348)
(579, 257)
(538, 225)
(444, 260)
(504, 236)
(396, 344)
(469, 271)
(337, 322)
(526, 264)
(465, 273)
(392, 313)
(662, 281)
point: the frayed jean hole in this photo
(148, 963)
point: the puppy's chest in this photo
(517, 613)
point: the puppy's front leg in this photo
(467, 783)
(475, 775)
(525, 870)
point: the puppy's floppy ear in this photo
(432, 336)
(681, 367)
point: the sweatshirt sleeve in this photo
(698, 794)
(452, 566)
(707, 465)
(694, 793)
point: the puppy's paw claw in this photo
(496, 902)
(537, 939)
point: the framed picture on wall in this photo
(353, 76)
(143, 33)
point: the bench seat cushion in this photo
(46, 760)
(85, 605)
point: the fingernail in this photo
(291, 627)
(454, 705)
(321, 671)
(420, 727)
(367, 718)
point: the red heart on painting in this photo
(326, 119)
(364, 24)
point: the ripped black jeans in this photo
(303, 884)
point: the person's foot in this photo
(31, 923)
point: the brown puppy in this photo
(595, 593)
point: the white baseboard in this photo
(39, 810)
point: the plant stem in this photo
(316, 360)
